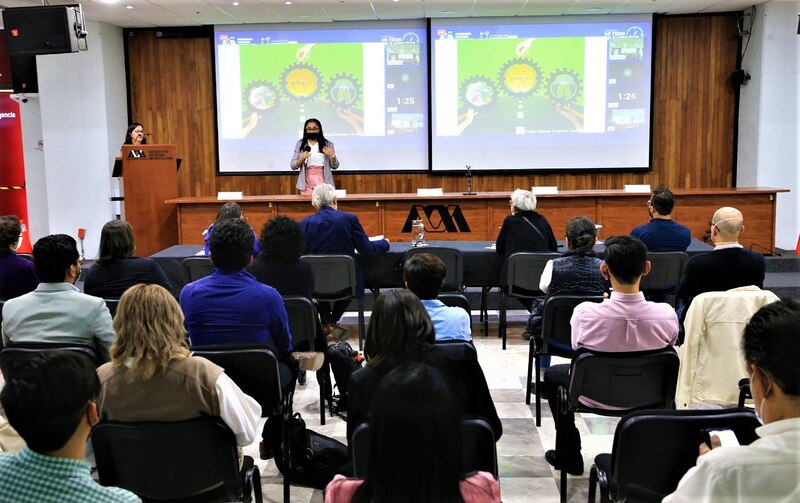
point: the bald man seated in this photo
(728, 266)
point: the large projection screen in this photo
(546, 93)
(365, 82)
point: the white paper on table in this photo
(221, 196)
(544, 190)
(644, 189)
(430, 192)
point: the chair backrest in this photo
(112, 305)
(478, 448)
(455, 300)
(253, 368)
(666, 269)
(303, 319)
(712, 361)
(15, 355)
(624, 381)
(167, 460)
(453, 260)
(556, 329)
(195, 268)
(654, 449)
(334, 276)
(523, 271)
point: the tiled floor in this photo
(524, 474)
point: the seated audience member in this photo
(231, 307)
(424, 274)
(51, 402)
(414, 446)
(624, 322)
(57, 311)
(333, 232)
(766, 470)
(117, 269)
(728, 266)
(228, 212)
(17, 274)
(661, 233)
(10, 441)
(400, 331)
(153, 377)
(279, 265)
(577, 272)
(524, 230)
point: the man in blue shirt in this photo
(662, 234)
(50, 401)
(231, 306)
(424, 274)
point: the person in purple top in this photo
(226, 212)
(17, 274)
(622, 323)
(662, 234)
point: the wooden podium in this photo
(149, 177)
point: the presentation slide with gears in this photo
(541, 93)
(366, 83)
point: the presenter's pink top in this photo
(478, 488)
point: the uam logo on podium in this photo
(437, 218)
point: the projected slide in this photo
(553, 93)
(366, 83)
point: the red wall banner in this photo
(13, 200)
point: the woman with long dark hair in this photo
(116, 268)
(315, 157)
(229, 211)
(135, 135)
(415, 445)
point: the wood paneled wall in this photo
(172, 87)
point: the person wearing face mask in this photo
(315, 157)
(661, 233)
(57, 311)
(766, 470)
(17, 275)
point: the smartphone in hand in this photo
(727, 437)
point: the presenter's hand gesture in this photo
(327, 150)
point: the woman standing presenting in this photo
(135, 135)
(315, 157)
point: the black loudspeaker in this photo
(23, 74)
(51, 29)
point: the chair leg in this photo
(322, 381)
(529, 380)
(538, 380)
(561, 441)
(501, 322)
(485, 309)
(360, 323)
(259, 498)
(592, 484)
(287, 446)
(602, 478)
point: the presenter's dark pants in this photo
(558, 375)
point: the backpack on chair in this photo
(344, 360)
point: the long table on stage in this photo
(481, 263)
(456, 217)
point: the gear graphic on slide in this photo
(343, 90)
(564, 86)
(520, 77)
(478, 91)
(301, 82)
(259, 96)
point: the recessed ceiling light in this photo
(129, 6)
(235, 3)
(448, 12)
(288, 2)
(593, 9)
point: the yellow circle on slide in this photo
(301, 82)
(520, 78)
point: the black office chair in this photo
(164, 461)
(523, 271)
(335, 279)
(453, 299)
(112, 305)
(556, 340)
(2, 304)
(453, 261)
(626, 381)
(16, 354)
(653, 449)
(744, 391)
(666, 269)
(195, 268)
(304, 325)
(478, 448)
(254, 368)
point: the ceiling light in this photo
(129, 6)
(235, 3)
(288, 2)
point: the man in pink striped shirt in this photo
(622, 323)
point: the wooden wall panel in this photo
(172, 87)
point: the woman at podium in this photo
(135, 135)
(315, 157)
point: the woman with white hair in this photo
(524, 230)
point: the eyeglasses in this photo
(312, 130)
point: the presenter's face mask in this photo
(312, 131)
